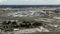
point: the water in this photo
(25, 6)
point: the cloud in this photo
(3, 0)
(30, 2)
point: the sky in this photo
(29, 2)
